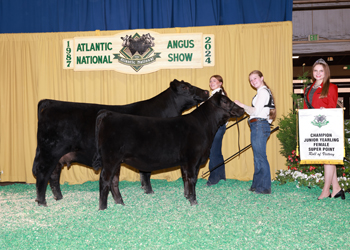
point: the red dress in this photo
(328, 102)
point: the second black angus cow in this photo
(66, 131)
(150, 144)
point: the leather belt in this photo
(256, 119)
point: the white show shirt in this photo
(259, 101)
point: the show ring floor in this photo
(227, 216)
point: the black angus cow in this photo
(139, 44)
(66, 131)
(150, 144)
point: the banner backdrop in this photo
(321, 136)
(139, 52)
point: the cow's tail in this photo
(41, 106)
(36, 162)
(97, 159)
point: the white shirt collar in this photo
(262, 87)
(215, 90)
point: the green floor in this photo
(227, 217)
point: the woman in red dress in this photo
(323, 94)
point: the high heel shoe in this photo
(340, 194)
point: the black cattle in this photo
(150, 144)
(140, 44)
(66, 131)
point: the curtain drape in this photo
(32, 70)
(21, 16)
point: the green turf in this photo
(227, 216)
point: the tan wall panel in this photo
(31, 70)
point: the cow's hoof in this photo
(149, 192)
(57, 198)
(193, 202)
(102, 205)
(57, 194)
(121, 202)
(43, 204)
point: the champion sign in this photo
(321, 136)
(139, 52)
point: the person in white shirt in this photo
(216, 84)
(262, 113)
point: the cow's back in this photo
(150, 144)
(65, 127)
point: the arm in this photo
(261, 99)
(331, 100)
(333, 96)
(247, 109)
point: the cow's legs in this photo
(107, 182)
(41, 186)
(189, 177)
(42, 179)
(145, 178)
(105, 186)
(186, 188)
(115, 188)
(40, 182)
(42, 171)
(55, 182)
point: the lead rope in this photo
(232, 156)
(239, 147)
(239, 134)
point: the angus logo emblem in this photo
(137, 51)
(320, 121)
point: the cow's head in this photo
(224, 103)
(187, 94)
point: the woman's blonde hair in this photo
(272, 114)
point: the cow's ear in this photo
(174, 84)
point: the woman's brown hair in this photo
(220, 79)
(272, 114)
(327, 76)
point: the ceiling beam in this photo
(322, 41)
(320, 5)
(318, 1)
